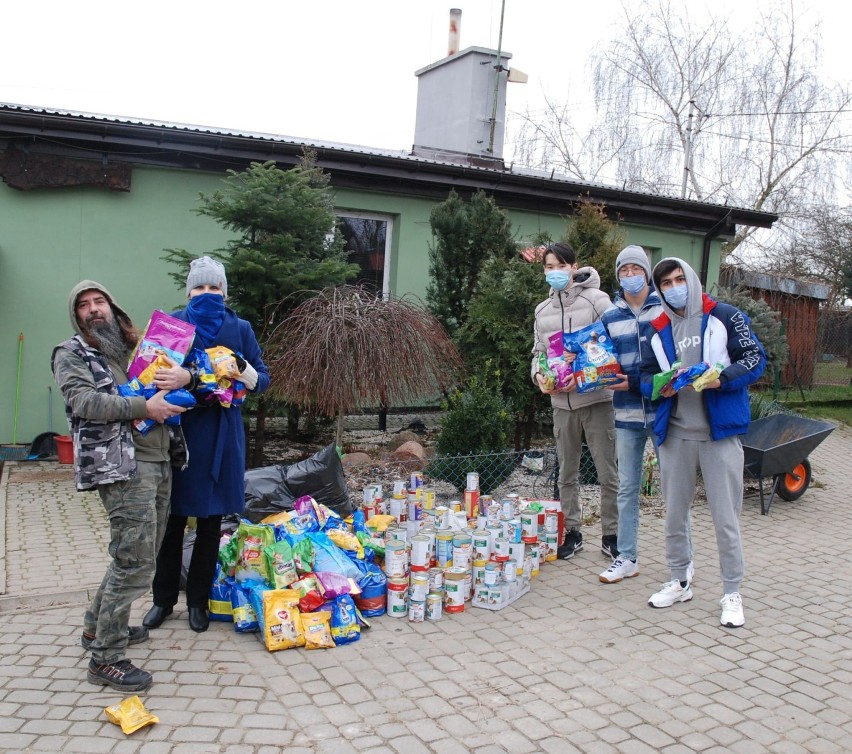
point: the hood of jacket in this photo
(695, 298)
(583, 279)
(90, 285)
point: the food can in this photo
(436, 579)
(369, 495)
(462, 550)
(529, 525)
(416, 611)
(515, 500)
(472, 480)
(416, 480)
(517, 550)
(434, 606)
(418, 587)
(428, 498)
(402, 531)
(471, 503)
(501, 549)
(478, 572)
(369, 511)
(535, 556)
(396, 559)
(495, 595)
(396, 506)
(444, 549)
(510, 571)
(455, 505)
(493, 513)
(513, 530)
(399, 487)
(481, 522)
(397, 605)
(413, 509)
(420, 558)
(552, 542)
(468, 586)
(490, 576)
(508, 510)
(485, 502)
(551, 523)
(481, 545)
(454, 586)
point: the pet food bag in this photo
(595, 366)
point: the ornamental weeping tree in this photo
(348, 348)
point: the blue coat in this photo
(213, 483)
(726, 338)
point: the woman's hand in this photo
(173, 377)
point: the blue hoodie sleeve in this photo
(748, 359)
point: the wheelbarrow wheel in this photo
(792, 486)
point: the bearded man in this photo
(131, 472)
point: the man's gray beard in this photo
(110, 340)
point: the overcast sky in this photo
(339, 70)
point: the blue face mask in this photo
(558, 279)
(633, 284)
(676, 296)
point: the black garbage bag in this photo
(273, 489)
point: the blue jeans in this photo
(630, 451)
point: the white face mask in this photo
(633, 284)
(677, 296)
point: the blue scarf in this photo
(207, 313)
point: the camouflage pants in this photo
(138, 510)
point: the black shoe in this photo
(608, 545)
(135, 635)
(155, 616)
(121, 675)
(573, 543)
(199, 620)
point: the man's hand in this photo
(622, 384)
(159, 409)
(541, 380)
(172, 378)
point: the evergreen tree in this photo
(597, 241)
(285, 247)
(466, 234)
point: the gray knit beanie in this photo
(633, 255)
(206, 271)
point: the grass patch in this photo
(833, 412)
(834, 372)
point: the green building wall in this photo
(50, 239)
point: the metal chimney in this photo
(455, 31)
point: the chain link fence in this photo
(833, 365)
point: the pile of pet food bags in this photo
(300, 578)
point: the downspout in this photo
(708, 239)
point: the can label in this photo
(529, 526)
(416, 611)
(454, 590)
(436, 580)
(419, 587)
(481, 546)
(396, 506)
(444, 549)
(471, 503)
(514, 530)
(490, 578)
(478, 572)
(428, 498)
(397, 598)
(551, 523)
(472, 480)
(416, 480)
(396, 559)
(510, 572)
(420, 559)
(551, 540)
(462, 550)
(434, 607)
(398, 487)
(501, 549)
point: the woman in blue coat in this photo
(213, 483)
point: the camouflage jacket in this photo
(99, 418)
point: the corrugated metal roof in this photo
(356, 149)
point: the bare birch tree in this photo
(766, 131)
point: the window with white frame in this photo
(367, 238)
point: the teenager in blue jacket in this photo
(213, 483)
(701, 430)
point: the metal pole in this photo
(498, 69)
(687, 156)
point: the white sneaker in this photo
(732, 610)
(621, 569)
(670, 593)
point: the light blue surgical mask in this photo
(558, 279)
(676, 296)
(633, 284)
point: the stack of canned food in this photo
(478, 550)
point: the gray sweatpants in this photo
(597, 424)
(721, 464)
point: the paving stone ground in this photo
(574, 666)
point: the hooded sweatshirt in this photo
(725, 338)
(106, 447)
(579, 305)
